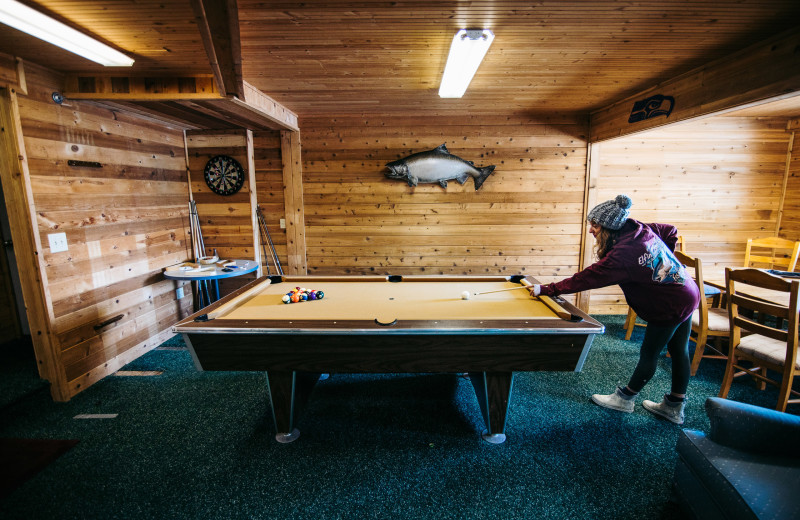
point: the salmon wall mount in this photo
(437, 166)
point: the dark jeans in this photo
(676, 339)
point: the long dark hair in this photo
(606, 238)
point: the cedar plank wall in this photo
(527, 217)
(124, 223)
(225, 221)
(719, 180)
(790, 220)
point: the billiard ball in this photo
(465, 295)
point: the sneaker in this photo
(615, 401)
(668, 410)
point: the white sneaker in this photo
(666, 409)
(615, 401)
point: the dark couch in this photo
(748, 466)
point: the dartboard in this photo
(224, 175)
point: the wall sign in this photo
(654, 106)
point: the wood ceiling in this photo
(327, 58)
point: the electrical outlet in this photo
(58, 242)
(283, 223)
(179, 292)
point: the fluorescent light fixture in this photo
(27, 20)
(466, 52)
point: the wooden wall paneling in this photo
(226, 221)
(766, 71)
(125, 220)
(294, 187)
(527, 217)
(15, 177)
(719, 180)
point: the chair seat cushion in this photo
(768, 349)
(739, 484)
(717, 320)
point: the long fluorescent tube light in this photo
(27, 20)
(466, 52)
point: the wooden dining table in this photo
(760, 293)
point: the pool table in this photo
(389, 324)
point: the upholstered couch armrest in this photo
(753, 428)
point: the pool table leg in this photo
(289, 392)
(493, 390)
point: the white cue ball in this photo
(465, 295)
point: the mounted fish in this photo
(436, 165)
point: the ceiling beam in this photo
(218, 22)
(191, 99)
(764, 72)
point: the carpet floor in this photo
(183, 444)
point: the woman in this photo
(639, 257)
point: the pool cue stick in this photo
(260, 219)
(560, 311)
(268, 241)
(501, 290)
(272, 251)
(272, 247)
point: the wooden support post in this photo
(15, 178)
(786, 173)
(589, 201)
(293, 201)
(251, 182)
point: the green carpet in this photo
(188, 445)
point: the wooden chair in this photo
(771, 253)
(707, 322)
(630, 320)
(768, 347)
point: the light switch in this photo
(58, 242)
(283, 223)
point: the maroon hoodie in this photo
(656, 286)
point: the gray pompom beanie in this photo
(611, 214)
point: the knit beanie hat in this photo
(611, 214)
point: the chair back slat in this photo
(764, 307)
(760, 278)
(772, 252)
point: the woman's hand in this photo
(535, 290)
